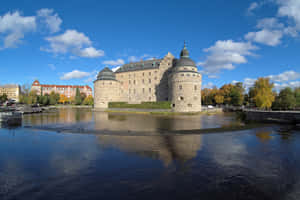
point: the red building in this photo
(67, 90)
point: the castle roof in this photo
(184, 59)
(106, 74)
(142, 65)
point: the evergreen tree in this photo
(78, 99)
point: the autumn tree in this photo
(263, 94)
(88, 100)
(63, 99)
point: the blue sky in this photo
(68, 42)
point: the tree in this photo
(53, 98)
(297, 96)
(89, 100)
(63, 99)
(3, 98)
(286, 99)
(225, 90)
(237, 94)
(219, 99)
(263, 94)
(78, 99)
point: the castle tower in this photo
(106, 88)
(185, 84)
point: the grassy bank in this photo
(160, 112)
(143, 105)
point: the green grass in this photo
(143, 105)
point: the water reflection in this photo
(165, 148)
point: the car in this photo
(210, 106)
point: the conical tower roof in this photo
(106, 74)
(185, 58)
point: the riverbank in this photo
(157, 111)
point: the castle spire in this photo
(184, 52)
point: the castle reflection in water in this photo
(166, 148)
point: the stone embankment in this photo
(292, 117)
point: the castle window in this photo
(143, 90)
(188, 74)
(134, 82)
(195, 98)
(193, 74)
(195, 87)
(181, 98)
(173, 105)
(169, 64)
(189, 105)
(129, 75)
(149, 80)
(185, 68)
(110, 83)
(129, 82)
(180, 87)
(149, 98)
(143, 74)
(143, 81)
(182, 74)
(129, 91)
(155, 72)
(134, 91)
(149, 73)
(155, 78)
(149, 89)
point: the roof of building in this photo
(106, 74)
(142, 65)
(184, 59)
(9, 86)
(37, 83)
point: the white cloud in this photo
(74, 42)
(117, 62)
(253, 6)
(208, 85)
(75, 74)
(90, 52)
(14, 26)
(269, 23)
(225, 54)
(265, 36)
(115, 68)
(290, 9)
(285, 76)
(52, 67)
(51, 19)
(285, 79)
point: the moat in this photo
(81, 154)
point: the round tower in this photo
(106, 88)
(185, 84)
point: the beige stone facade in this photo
(67, 90)
(166, 79)
(11, 90)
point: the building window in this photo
(149, 73)
(129, 82)
(185, 68)
(155, 78)
(149, 89)
(149, 80)
(129, 91)
(143, 74)
(110, 83)
(188, 74)
(182, 74)
(143, 90)
(195, 87)
(189, 105)
(134, 82)
(155, 72)
(195, 98)
(129, 75)
(180, 87)
(149, 98)
(143, 81)
(181, 98)
(133, 91)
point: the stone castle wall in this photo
(145, 85)
(106, 91)
(185, 91)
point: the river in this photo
(81, 154)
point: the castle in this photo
(166, 79)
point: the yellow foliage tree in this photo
(263, 94)
(219, 99)
(63, 99)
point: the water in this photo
(40, 161)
